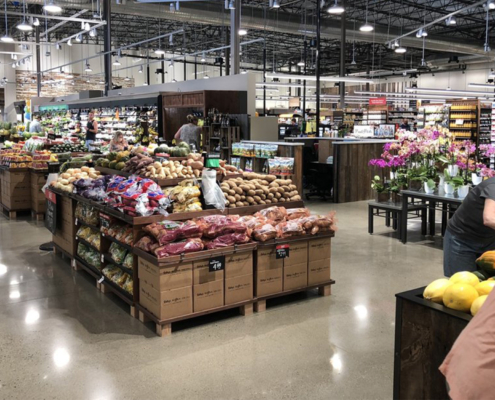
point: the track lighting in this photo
(51, 7)
(336, 8)
(79, 38)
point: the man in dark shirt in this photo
(405, 125)
(471, 231)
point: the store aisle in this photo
(60, 338)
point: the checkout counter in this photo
(349, 157)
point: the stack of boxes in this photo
(65, 236)
(171, 291)
(16, 190)
(308, 264)
(38, 201)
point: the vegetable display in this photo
(66, 180)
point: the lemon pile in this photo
(462, 292)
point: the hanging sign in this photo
(378, 101)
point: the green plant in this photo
(431, 184)
(456, 181)
(377, 185)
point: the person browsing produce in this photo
(190, 132)
(35, 126)
(118, 143)
(91, 129)
(471, 231)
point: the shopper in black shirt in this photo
(405, 125)
(91, 130)
(471, 231)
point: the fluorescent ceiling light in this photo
(400, 50)
(52, 7)
(366, 27)
(300, 63)
(336, 8)
(7, 39)
(278, 84)
(482, 85)
(159, 51)
(411, 95)
(459, 92)
(322, 78)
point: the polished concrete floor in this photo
(61, 339)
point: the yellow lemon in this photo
(465, 277)
(460, 296)
(477, 304)
(434, 291)
(484, 287)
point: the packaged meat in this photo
(228, 240)
(274, 214)
(157, 230)
(182, 247)
(145, 243)
(224, 227)
(296, 213)
(190, 229)
(289, 228)
(264, 233)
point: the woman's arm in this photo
(177, 135)
(95, 127)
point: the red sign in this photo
(378, 101)
(51, 196)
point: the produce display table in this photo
(424, 334)
(449, 204)
(15, 190)
(38, 203)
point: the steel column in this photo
(38, 61)
(304, 82)
(107, 45)
(342, 57)
(264, 79)
(318, 86)
(235, 24)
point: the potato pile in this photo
(254, 189)
(170, 170)
(65, 180)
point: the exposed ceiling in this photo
(206, 25)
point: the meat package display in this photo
(182, 247)
(218, 225)
(147, 243)
(290, 228)
(296, 213)
(228, 240)
(274, 214)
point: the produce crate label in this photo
(282, 251)
(102, 258)
(217, 264)
(101, 279)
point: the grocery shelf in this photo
(112, 239)
(108, 258)
(86, 243)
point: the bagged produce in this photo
(117, 253)
(318, 223)
(128, 261)
(274, 214)
(146, 243)
(264, 233)
(295, 213)
(289, 228)
(182, 247)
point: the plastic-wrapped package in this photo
(274, 214)
(117, 253)
(84, 232)
(190, 229)
(128, 261)
(110, 271)
(318, 223)
(164, 232)
(228, 240)
(145, 243)
(95, 240)
(264, 233)
(289, 228)
(128, 239)
(128, 285)
(123, 232)
(296, 213)
(212, 193)
(182, 247)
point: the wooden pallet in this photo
(11, 214)
(164, 327)
(324, 289)
(58, 250)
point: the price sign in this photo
(459, 122)
(217, 264)
(282, 251)
(51, 211)
(51, 136)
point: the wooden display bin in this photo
(424, 334)
(64, 237)
(38, 201)
(182, 287)
(306, 267)
(16, 190)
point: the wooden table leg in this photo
(432, 210)
(403, 219)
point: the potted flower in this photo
(450, 158)
(476, 176)
(452, 183)
(381, 191)
(396, 185)
(430, 186)
(414, 179)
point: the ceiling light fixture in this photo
(203, 57)
(458, 92)
(58, 46)
(322, 78)
(206, 77)
(69, 42)
(400, 50)
(231, 5)
(242, 32)
(116, 62)
(88, 67)
(275, 4)
(36, 22)
(79, 38)
(51, 7)
(140, 69)
(366, 27)
(127, 79)
(159, 51)
(450, 21)
(92, 32)
(243, 72)
(24, 26)
(336, 8)
(490, 4)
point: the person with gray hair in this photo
(190, 132)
